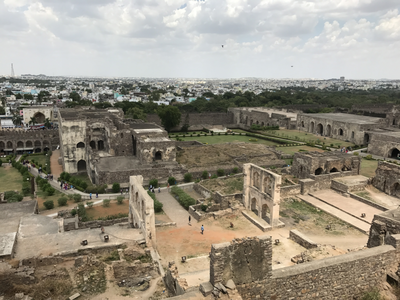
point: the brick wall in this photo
(291, 190)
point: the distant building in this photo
(342, 78)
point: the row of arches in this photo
(95, 146)
(320, 170)
(265, 211)
(21, 144)
(267, 185)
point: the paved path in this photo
(348, 205)
(360, 225)
(173, 209)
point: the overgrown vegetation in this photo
(184, 199)
(157, 204)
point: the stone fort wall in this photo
(248, 262)
(196, 119)
(35, 139)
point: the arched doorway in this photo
(9, 145)
(394, 153)
(352, 134)
(262, 124)
(320, 129)
(39, 117)
(81, 165)
(328, 130)
(254, 207)
(312, 127)
(80, 145)
(92, 145)
(158, 155)
(340, 131)
(333, 170)
(256, 180)
(319, 171)
(100, 145)
(366, 139)
(28, 144)
(266, 214)
(2, 146)
(302, 124)
(20, 144)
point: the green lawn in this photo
(368, 167)
(41, 159)
(301, 136)
(10, 179)
(219, 139)
(84, 177)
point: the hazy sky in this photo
(178, 38)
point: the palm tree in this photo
(17, 119)
(47, 123)
(32, 121)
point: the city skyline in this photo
(183, 39)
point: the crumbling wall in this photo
(290, 190)
(384, 224)
(387, 178)
(175, 285)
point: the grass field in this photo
(99, 211)
(10, 179)
(219, 139)
(84, 177)
(41, 197)
(368, 167)
(293, 134)
(41, 159)
(292, 150)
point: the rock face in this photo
(387, 178)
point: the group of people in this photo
(151, 189)
(66, 186)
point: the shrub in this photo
(106, 202)
(120, 199)
(62, 201)
(1, 162)
(116, 187)
(9, 194)
(26, 188)
(73, 212)
(184, 199)
(214, 176)
(77, 197)
(82, 212)
(368, 157)
(198, 134)
(372, 295)
(187, 177)
(356, 153)
(204, 207)
(50, 191)
(235, 170)
(153, 182)
(220, 172)
(171, 180)
(15, 198)
(157, 204)
(204, 175)
(89, 204)
(49, 204)
(226, 133)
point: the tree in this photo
(32, 121)
(75, 96)
(170, 116)
(47, 123)
(155, 96)
(115, 187)
(43, 94)
(49, 204)
(136, 113)
(17, 119)
(102, 105)
(18, 96)
(2, 110)
(28, 97)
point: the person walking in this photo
(97, 195)
(202, 229)
(121, 191)
(159, 190)
(190, 218)
(90, 196)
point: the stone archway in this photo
(328, 130)
(9, 145)
(39, 117)
(320, 129)
(254, 207)
(20, 144)
(267, 186)
(100, 145)
(312, 127)
(333, 170)
(366, 139)
(319, 171)
(256, 180)
(81, 165)
(2, 146)
(341, 131)
(266, 213)
(394, 153)
(302, 124)
(28, 144)
(92, 145)
(80, 145)
(158, 155)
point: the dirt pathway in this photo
(56, 168)
(173, 209)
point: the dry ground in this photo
(224, 186)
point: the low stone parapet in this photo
(302, 239)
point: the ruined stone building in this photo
(385, 143)
(345, 127)
(40, 113)
(110, 148)
(387, 178)
(19, 141)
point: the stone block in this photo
(230, 284)
(74, 296)
(221, 287)
(206, 288)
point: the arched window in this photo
(20, 144)
(352, 134)
(158, 155)
(333, 170)
(92, 145)
(319, 171)
(100, 145)
(9, 145)
(29, 144)
(320, 129)
(256, 180)
(80, 145)
(340, 131)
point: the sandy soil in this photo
(56, 168)
(382, 198)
